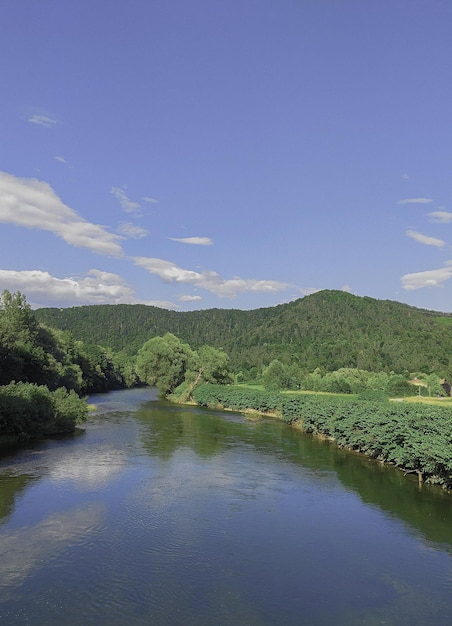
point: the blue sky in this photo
(236, 153)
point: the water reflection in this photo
(168, 515)
(10, 489)
(23, 549)
(427, 509)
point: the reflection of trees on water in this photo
(427, 510)
(11, 487)
(165, 431)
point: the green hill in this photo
(329, 329)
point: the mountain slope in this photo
(329, 329)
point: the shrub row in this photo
(237, 398)
(28, 411)
(413, 437)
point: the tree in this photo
(275, 376)
(164, 361)
(18, 330)
(214, 365)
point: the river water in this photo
(158, 514)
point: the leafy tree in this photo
(18, 329)
(164, 361)
(213, 365)
(275, 376)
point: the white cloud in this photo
(209, 280)
(42, 120)
(131, 231)
(150, 200)
(415, 201)
(32, 203)
(97, 287)
(60, 159)
(405, 176)
(195, 241)
(442, 217)
(187, 298)
(429, 278)
(425, 239)
(128, 205)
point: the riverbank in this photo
(415, 438)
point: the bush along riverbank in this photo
(415, 438)
(29, 411)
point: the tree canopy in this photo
(328, 329)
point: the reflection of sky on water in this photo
(88, 469)
(178, 514)
(27, 548)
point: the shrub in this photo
(29, 411)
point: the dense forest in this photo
(328, 330)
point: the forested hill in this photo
(329, 329)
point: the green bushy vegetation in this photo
(43, 372)
(413, 437)
(172, 366)
(28, 410)
(237, 398)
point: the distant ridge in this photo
(328, 329)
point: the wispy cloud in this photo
(429, 278)
(149, 200)
(42, 120)
(187, 298)
(425, 239)
(96, 287)
(128, 205)
(416, 201)
(131, 231)
(442, 217)
(31, 203)
(210, 281)
(60, 159)
(194, 241)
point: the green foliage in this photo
(29, 410)
(328, 329)
(177, 370)
(213, 365)
(164, 361)
(275, 376)
(34, 353)
(237, 398)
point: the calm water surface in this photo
(156, 514)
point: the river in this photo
(159, 514)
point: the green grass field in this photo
(411, 399)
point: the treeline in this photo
(44, 372)
(328, 330)
(416, 439)
(278, 376)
